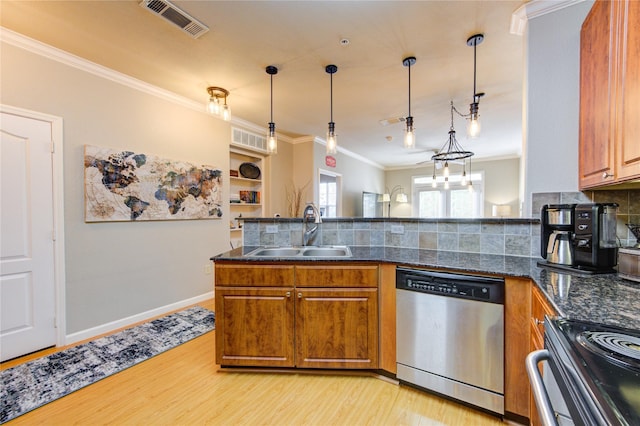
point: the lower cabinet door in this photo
(337, 328)
(254, 326)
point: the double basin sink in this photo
(301, 251)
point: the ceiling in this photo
(301, 38)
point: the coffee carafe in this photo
(560, 248)
(557, 233)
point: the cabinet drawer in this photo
(335, 275)
(539, 308)
(273, 275)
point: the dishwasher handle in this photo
(540, 395)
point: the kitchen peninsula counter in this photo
(603, 298)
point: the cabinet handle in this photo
(606, 175)
(538, 322)
(288, 294)
(299, 295)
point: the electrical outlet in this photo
(397, 229)
(207, 269)
(272, 229)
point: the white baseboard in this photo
(124, 322)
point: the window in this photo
(457, 201)
(328, 194)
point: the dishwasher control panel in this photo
(485, 289)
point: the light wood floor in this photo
(184, 386)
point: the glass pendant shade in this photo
(332, 142)
(409, 134)
(226, 112)
(272, 139)
(473, 127)
(213, 106)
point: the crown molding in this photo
(534, 9)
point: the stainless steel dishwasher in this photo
(450, 335)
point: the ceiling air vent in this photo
(171, 13)
(392, 120)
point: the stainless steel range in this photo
(450, 335)
(595, 368)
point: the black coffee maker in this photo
(579, 237)
(594, 241)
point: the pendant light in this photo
(473, 127)
(214, 107)
(332, 143)
(409, 133)
(451, 151)
(272, 139)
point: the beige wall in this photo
(501, 184)
(116, 270)
(279, 170)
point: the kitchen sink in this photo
(311, 251)
(327, 252)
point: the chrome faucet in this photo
(310, 213)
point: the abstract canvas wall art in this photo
(129, 186)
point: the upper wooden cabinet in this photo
(609, 151)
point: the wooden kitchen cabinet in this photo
(306, 316)
(254, 315)
(609, 152)
(517, 312)
(254, 326)
(337, 328)
(539, 308)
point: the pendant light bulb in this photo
(434, 184)
(332, 142)
(272, 139)
(463, 181)
(226, 112)
(213, 106)
(446, 183)
(470, 186)
(409, 134)
(445, 172)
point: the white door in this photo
(27, 280)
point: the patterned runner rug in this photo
(38, 382)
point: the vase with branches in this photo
(294, 198)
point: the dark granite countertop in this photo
(603, 298)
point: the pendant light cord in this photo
(271, 97)
(331, 95)
(409, 88)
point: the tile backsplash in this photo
(628, 206)
(516, 237)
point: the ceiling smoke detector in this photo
(173, 14)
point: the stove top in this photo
(608, 361)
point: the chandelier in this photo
(452, 151)
(214, 106)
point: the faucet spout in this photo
(311, 215)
